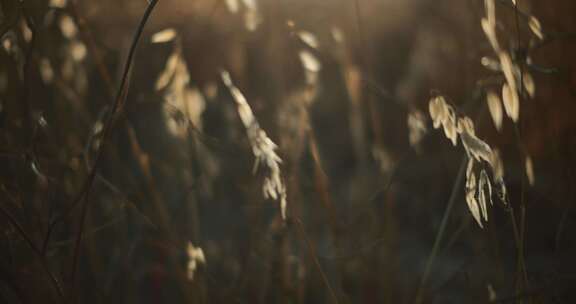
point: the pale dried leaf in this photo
(469, 171)
(308, 38)
(509, 70)
(337, 34)
(416, 128)
(58, 3)
(195, 105)
(471, 180)
(210, 90)
(244, 110)
(473, 207)
(283, 204)
(46, 71)
(68, 27)
(482, 182)
(195, 257)
(26, 32)
(450, 128)
(309, 61)
(163, 36)
(465, 124)
(168, 73)
(502, 192)
(233, 6)
(529, 166)
(511, 102)
(498, 174)
(78, 50)
(476, 147)
(536, 27)
(490, 63)
(490, 12)
(250, 4)
(7, 44)
(497, 165)
(529, 85)
(437, 109)
(252, 19)
(491, 293)
(495, 108)
(490, 32)
(484, 175)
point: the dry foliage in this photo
(290, 151)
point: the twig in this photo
(314, 258)
(92, 47)
(440, 234)
(121, 94)
(375, 118)
(524, 154)
(25, 90)
(35, 250)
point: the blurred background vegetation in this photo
(148, 192)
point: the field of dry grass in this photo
(289, 151)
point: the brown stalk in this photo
(35, 250)
(375, 118)
(314, 258)
(321, 184)
(524, 154)
(86, 189)
(87, 36)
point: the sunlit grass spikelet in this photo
(263, 148)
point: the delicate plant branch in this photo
(314, 258)
(35, 250)
(25, 90)
(89, 39)
(108, 126)
(524, 154)
(439, 236)
(375, 118)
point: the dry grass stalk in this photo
(263, 148)
(195, 257)
(516, 80)
(478, 186)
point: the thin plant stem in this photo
(314, 258)
(121, 94)
(441, 231)
(524, 154)
(35, 250)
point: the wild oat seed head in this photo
(495, 108)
